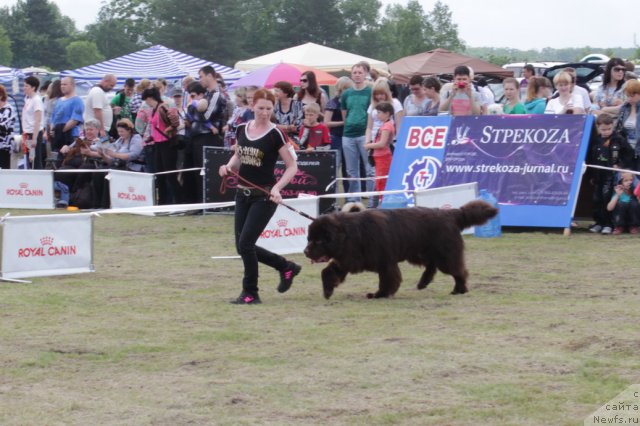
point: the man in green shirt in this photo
(354, 103)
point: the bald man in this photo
(97, 106)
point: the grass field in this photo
(548, 334)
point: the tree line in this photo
(34, 32)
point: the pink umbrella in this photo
(270, 75)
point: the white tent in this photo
(312, 55)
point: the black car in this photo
(586, 73)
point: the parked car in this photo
(587, 73)
(518, 67)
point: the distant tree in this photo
(360, 32)
(38, 32)
(6, 55)
(443, 32)
(302, 21)
(82, 53)
(404, 31)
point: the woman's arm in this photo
(369, 131)
(291, 168)
(327, 119)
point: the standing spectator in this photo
(624, 206)
(334, 121)
(259, 145)
(288, 111)
(381, 93)
(7, 118)
(313, 135)
(310, 91)
(566, 102)
(382, 143)
(610, 96)
(538, 92)
(629, 119)
(164, 149)
(32, 121)
(215, 110)
(354, 103)
(186, 82)
(97, 105)
(121, 102)
(136, 101)
(486, 95)
(432, 88)
(512, 103)
(417, 102)
(528, 72)
(67, 116)
(608, 149)
(462, 99)
(53, 95)
(235, 120)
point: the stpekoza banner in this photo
(38, 246)
(131, 189)
(532, 164)
(26, 189)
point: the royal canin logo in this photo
(47, 249)
(23, 191)
(282, 223)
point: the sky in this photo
(496, 23)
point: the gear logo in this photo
(422, 173)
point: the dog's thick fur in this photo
(376, 240)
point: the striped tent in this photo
(8, 74)
(153, 62)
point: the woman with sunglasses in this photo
(610, 96)
(310, 91)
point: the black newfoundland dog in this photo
(376, 240)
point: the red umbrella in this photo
(270, 75)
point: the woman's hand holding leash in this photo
(275, 195)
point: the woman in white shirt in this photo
(566, 102)
(380, 92)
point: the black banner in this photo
(316, 170)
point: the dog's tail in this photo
(353, 207)
(475, 212)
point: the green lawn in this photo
(548, 334)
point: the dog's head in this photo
(325, 238)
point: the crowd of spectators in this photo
(144, 128)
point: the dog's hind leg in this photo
(332, 277)
(389, 282)
(427, 275)
(461, 282)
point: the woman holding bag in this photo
(165, 151)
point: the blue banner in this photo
(530, 163)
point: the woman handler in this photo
(259, 143)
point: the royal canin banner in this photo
(26, 189)
(38, 246)
(131, 189)
(286, 232)
(532, 164)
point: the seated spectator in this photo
(512, 104)
(538, 92)
(566, 102)
(624, 205)
(313, 134)
(126, 152)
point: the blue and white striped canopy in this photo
(153, 62)
(8, 74)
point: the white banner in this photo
(38, 246)
(26, 189)
(448, 197)
(287, 231)
(131, 189)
